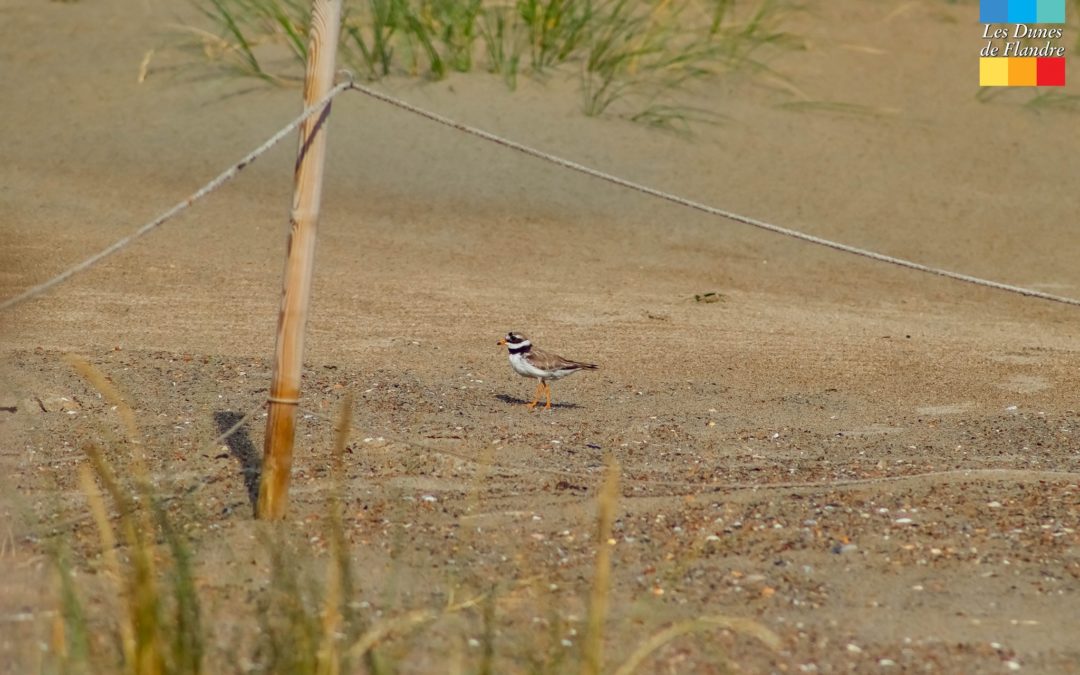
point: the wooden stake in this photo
(307, 194)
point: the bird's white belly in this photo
(522, 366)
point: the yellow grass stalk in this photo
(112, 562)
(296, 292)
(98, 380)
(740, 626)
(593, 647)
(140, 630)
(112, 395)
(59, 632)
(404, 623)
(329, 661)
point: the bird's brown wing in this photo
(548, 361)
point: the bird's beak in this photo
(501, 342)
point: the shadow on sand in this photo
(241, 447)
(518, 401)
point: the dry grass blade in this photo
(146, 655)
(341, 439)
(70, 635)
(740, 626)
(108, 553)
(398, 624)
(98, 380)
(329, 658)
(144, 636)
(144, 66)
(138, 535)
(404, 623)
(598, 598)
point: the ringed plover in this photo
(529, 361)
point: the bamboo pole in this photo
(303, 220)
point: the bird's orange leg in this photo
(547, 387)
(536, 397)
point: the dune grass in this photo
(152, 620)
(156, 615)
(633, 59)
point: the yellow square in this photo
(1023, 72)
(993, 72)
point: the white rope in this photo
(196, 196)
(747, 220)
(480, 133)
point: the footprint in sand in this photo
(1024, 384)
(946, 409)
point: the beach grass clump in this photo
(146, 614)
(155, 615)
(633, 58)
(300, 626)
(252, 38)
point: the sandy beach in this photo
(880, 466)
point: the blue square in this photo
(994, 11)
(1023, 11)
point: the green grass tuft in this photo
(633, 59)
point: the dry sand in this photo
(878, 465)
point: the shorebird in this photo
(529, 361)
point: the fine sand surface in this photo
(880, 466)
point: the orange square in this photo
(1023, 72)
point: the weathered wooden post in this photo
(303, 220)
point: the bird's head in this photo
(513, 339)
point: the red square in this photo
(1050, 72)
